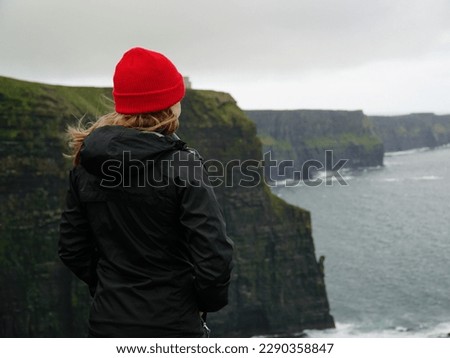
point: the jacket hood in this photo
(118, 143)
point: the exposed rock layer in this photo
(412, 131)
(305, 135)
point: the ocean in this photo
(386, 241)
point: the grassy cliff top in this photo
(34, 109)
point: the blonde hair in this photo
(164, 122)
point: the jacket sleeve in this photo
(210, 247)
(76, 247)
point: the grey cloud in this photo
(81, 40)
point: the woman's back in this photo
(143, 229)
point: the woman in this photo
(142, 226)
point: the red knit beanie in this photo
(146, 81)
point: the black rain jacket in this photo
(142, 227)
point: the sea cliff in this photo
(278, 286)
(305, 135)
(412, 131)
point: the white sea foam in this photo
(407, 152)
(428, 177)
(419, 178)
(391, 180)
(414, 151)
(351, 330)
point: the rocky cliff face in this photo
(412, 131)
(37, 296)
(303, 135)
(277, 288)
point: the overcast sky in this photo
(381, 56)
